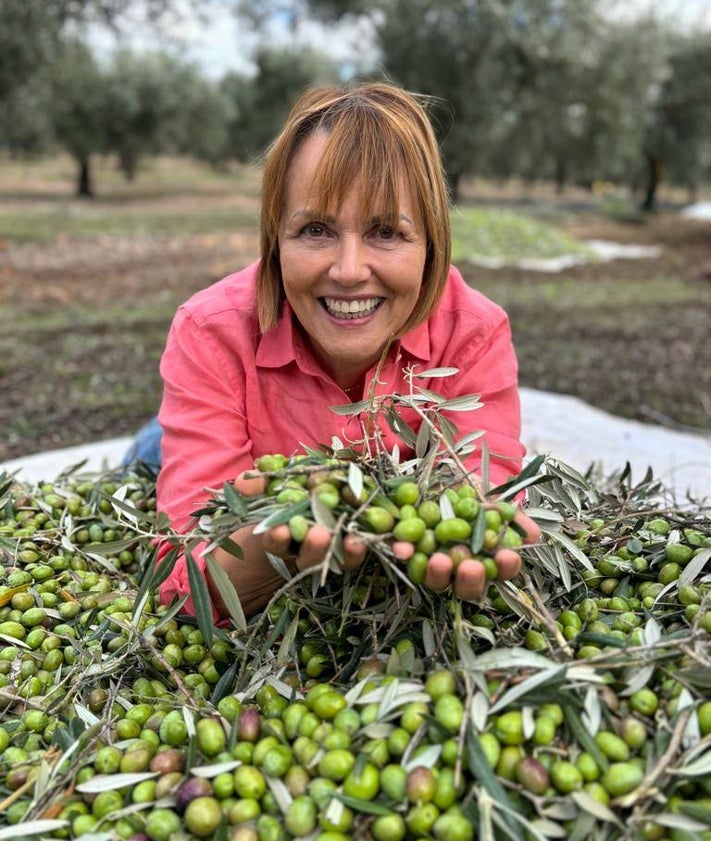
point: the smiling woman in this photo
(352, 289)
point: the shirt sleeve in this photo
(488, 368)
(205, 439)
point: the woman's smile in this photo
(350, 309)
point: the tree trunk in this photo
(127, 164)
(454, 179)
(85, 189)
(561, 173)
(654, 176)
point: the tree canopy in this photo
(538, 89)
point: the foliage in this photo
(260, 104)
(507, 235)
(143, 97)
(32, 30)
(538, 89)
(680, 129)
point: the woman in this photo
(355, 249)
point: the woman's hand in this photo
(468, 578)
(312, 550)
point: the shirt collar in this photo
(417, 341)
(282, 344)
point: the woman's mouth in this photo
(349, 310)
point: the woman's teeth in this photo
(351, 309)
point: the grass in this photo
(508, 235)
(48, 223)
(89, 288)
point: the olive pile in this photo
(438, 518)
(574, 703)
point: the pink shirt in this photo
(232, 395)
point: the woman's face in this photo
(352, 282)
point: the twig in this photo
(168, 667)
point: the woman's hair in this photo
(377, 133)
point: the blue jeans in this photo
(145, 446)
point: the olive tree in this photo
(78, 109)
(678, 142)
(32, 36)
(156, 103)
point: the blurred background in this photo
(576, 136)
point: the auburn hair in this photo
(378, 134)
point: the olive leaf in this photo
(594, 807)
(552, 675)
(592, 710)
(111, 782)
(423, 440)
(227, 591)
(235, 501)
(355, 479)
(429, 395)
(436, 372)
(282, 514)
(467, 403)
(208, 772)
(201, 598)
(693, 569)
(346, 409)
(29, 828)
(366, 807)
(428, 757)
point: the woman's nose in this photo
(350, 262)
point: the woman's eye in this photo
(386, 232)
(313, 229)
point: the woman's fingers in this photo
(250, 487)
(531, 527)
(403, 550)
(314, 547)
(467, 580)
(277, 540)
(508, 562)
(354, 551)
(438, 575)
(470, 580)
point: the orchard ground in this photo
(87, 290)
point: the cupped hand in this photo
(314, 547)
(468, 578)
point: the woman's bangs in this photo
(352, 157)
